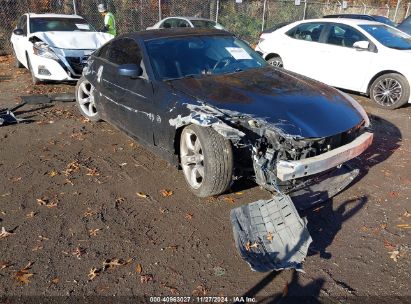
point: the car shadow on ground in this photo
(293, 292)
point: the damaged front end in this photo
(301, 172)
(52, 63)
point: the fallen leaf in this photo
(404, 226)
(49, 203)
(166, 193)
(88, 213)
(55, 281)
(93, 232)
(162, 210)
(16, 179)
(389, 245)
(53, 173)
(407, 214)
(112, 263)
(139, 268)
(248, 245)
(67, 181)
(189, 216)
(23, 275)
(172, 247)
(394, 255)
(173, 290)
(92, 172)
(78, 252)
(269, 236)
(145, 278)
(93, 273)
(4, 264)
(142, 195)
(200, 291)
(4, 233)
(31, 214)
(37, 247)
(71, 167)
(229, 199)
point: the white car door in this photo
(343, 65)
(301, 48)
(20, 41)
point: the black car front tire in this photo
(207, 160)
(85, 100)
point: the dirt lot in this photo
(69, 195)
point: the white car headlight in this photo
(43, 50)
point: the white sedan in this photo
(54, 47)
(173, 22)
(357, 55)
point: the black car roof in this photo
(177, 32)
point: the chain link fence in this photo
(246, 18)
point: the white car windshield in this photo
(388, 36)
(43, 24)
(175, 58)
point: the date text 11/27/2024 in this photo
(203, 299)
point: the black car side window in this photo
(307, 31)
(121, 51)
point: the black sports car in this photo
(204, 100)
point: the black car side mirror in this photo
(18, 31)
(130, 70)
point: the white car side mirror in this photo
(361, 45)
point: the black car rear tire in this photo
(390, 91)
(207, 160)
(276, 61)
(85, 100)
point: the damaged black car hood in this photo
(295, 104)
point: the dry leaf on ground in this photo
(142, 195)
(53, 173)
(78, 252)
(93, 273)
(31, 214)
(4, 233)
(93, 232)
(171, 289)
(92, 172)
(113, 263)
(23, 275)
(166, 193)
(200, 291)
(229, 199)
(189, 216)
(4, 264)
(139, 268)
(248, 245)
(145, 278)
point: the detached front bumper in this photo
(287, 170)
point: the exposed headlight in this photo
(43, 50)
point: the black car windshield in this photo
(388, 36)
(44, 24)
(384, 20)
(174, 58)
